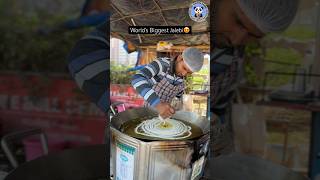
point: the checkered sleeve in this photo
(141, 81)
(179, 95)
(223, 83)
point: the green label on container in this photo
(126, 148)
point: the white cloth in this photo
(270, 15)
(193, 58)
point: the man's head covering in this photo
(193, 59)
(270, 15)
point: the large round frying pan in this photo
(146, 113)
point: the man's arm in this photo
(88, 65)
(141, 80)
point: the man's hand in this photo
(165, 110)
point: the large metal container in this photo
(134, 159)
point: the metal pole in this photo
(314, 155)
(316, 63)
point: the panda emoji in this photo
(198, 11)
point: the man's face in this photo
(182, 69)
(233, 27)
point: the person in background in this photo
(234, 24)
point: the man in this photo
(162, 80)
(234, 23)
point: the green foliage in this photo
(195, 82)
(188, 84)
(204, 71)
(301, 33)
(119, 74)
(252, 50)
(118, 67)
(251, 76)
(281, 55)
(285, 56)
(23, 48)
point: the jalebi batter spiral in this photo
(168, 129)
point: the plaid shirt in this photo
(152, 74)
(226, 67)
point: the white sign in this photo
(125, 162)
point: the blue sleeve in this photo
(141, 80)
(88, 63)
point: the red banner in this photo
(52, 103)
(126, 94)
